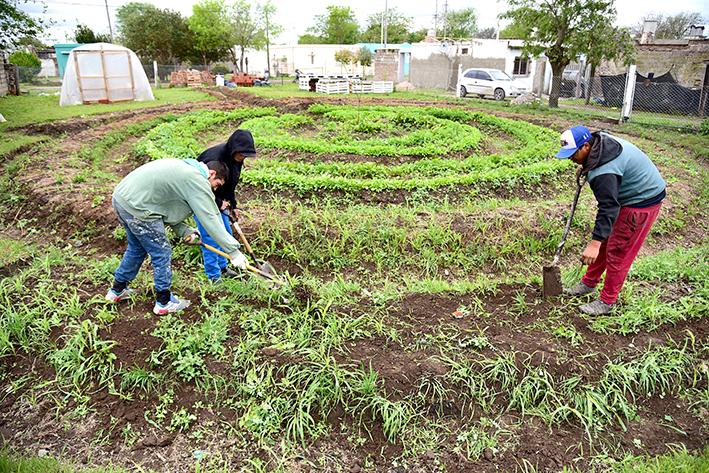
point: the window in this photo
(471, 74)
(464, 51)
(521, 66)
(484, 76)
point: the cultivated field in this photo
(411, 335)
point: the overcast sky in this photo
(296, 16)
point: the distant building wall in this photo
(386, 65)
(685, 59)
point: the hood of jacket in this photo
(604, 149)
(241, 141)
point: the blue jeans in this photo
(144, 238)
(213, 262)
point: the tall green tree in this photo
(85, 35)
(15, 24)
(212, 22)
(155, 34)
(337, 26)
(461, 23)
(398, 27)
(670, 26)
(266, 12)
(559, 29)
(247, 32)
(610, 44)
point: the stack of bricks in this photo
(191, 78)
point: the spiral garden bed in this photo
(412, 334)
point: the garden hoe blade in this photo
(551, 275)
(264, 266)
(272, 281)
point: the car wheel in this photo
(499, 94)
(463, 92)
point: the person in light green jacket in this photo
(165, 193)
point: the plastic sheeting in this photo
(104, 73)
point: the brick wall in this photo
(386, 65)
(684, 59)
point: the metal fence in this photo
(637, 98)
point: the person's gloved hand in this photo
(240, 261)
(193, 238)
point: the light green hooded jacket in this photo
(174, 190)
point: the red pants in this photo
(618, 251)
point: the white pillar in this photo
(155, 73)
(457, 86)
(629, 95)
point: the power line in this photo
(81, 4)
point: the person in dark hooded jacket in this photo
(240, 145)
(629, 190)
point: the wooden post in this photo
(705, 93)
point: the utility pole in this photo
(435, 22)
(386, 22)
(267, 51)
(110, 30)
(445, 20)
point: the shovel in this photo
(551, 275)
(263, 266)
(275, 282)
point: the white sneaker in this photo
(174, 305)
(126, 293)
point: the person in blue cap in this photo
(629, 190)
(240, 145)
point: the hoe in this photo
(551, 275)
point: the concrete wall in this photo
(434, 69)
(315, 58)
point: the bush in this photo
(30, 65)
(220, 69)
(704, 127)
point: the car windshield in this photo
(499, 75)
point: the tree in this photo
(29, 65)
(345, 57)
(85, 35)
(16, 24)
(398, 27)
(417, 36)
(212, 22)
(559, 29)
(461, 23)
(155, 34)
(337, 26)
(246, 31)
(266, 13)
(512, 31)
(364, 57)
(309, 38)
(610, 43)
(670, 27)
(487, 33)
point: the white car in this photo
(493, 82)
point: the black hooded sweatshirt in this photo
(241, 141)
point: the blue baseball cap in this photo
(571, 140)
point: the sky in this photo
(296, 16)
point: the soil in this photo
(402, 364)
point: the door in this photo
(485, 84)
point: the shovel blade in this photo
(551, 281)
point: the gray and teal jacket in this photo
(173, 190)
(620, 175)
